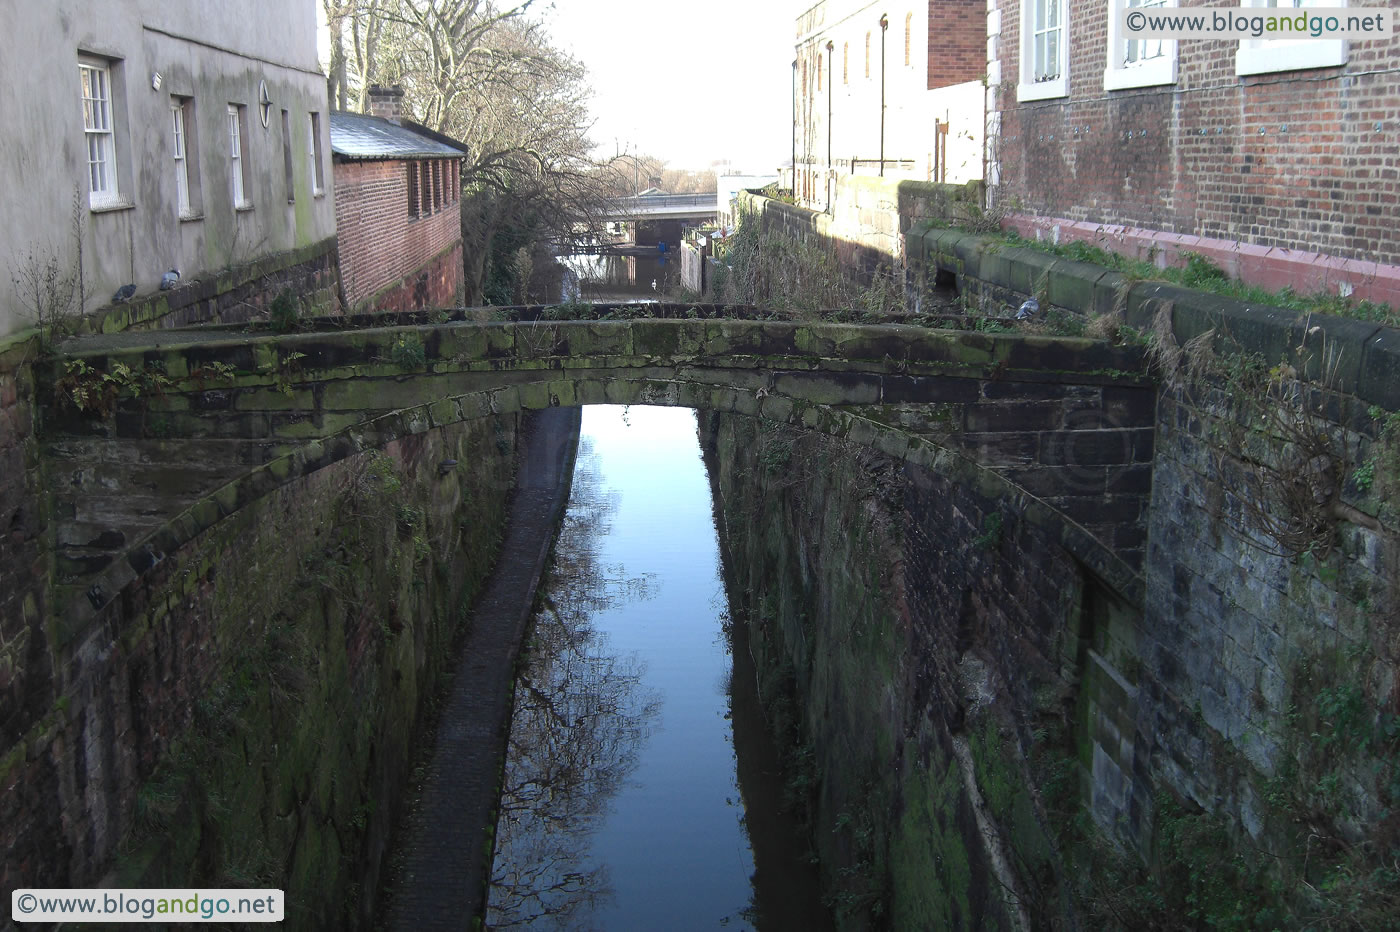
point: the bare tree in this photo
(487, 75)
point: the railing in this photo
(659, 202)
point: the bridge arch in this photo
(345, 393)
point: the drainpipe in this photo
(830, 54)
(884, 31)
(794, 129)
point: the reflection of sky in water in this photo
(623, 279)
(671, 844)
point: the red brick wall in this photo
(436, 284)
(957, 41)
(1291, 159)
(380, 244)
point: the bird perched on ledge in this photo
(123, 294)
(1029, 309)
(168, 280)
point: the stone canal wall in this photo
(248, 714)
(912, 638)
(1272, 553)
(26, 673)
(868, 218)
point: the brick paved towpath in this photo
(445, 843)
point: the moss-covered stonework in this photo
(247, 714)
(26, 669)
(1239, 731)
(913, 639)
(239, 292)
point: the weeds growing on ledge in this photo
(1200, 273)
(804, 279)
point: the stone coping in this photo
(1363, 357)
(146, 311)
(724, 343)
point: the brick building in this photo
(1276, 159)
(397, 208)
(919, 65)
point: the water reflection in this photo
(623, 279)
(623, 805)
(581, 716)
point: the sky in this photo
(686, 82)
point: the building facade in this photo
(158, 136)
(398, 209)
(893, 91)
(1276, 159)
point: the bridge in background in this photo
(697, 207)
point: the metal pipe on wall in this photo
(794, 129)
(830, 55)
(884, 33)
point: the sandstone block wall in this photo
(1258, 679)
(248, 711)
(916, 641)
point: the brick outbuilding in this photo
(398, 213)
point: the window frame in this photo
(318, 171)
(288, 174)
(239, 178)
(185, 189)
(1119, 74)
(1269, 56)
(1052, 87)
(99, 127)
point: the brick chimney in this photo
(386, 102)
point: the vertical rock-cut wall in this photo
(248, 717)
(25, 674)
(916, 646)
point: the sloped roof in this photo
(361, 136)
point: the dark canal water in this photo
(624, 803)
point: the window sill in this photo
(1255, 57)
(1148, 74)
(1043, 90)
(319, 193)
(190, 217)
(108, 206)
(242, 208)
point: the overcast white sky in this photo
(686, 82)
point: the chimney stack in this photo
(386, 102)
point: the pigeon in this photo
(1029, 309)
(168, 280)
(123, 294)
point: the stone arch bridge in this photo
(1059, 430)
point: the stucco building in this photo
(1276, 159)
(165, 135)
(887, 90)
(398, 209)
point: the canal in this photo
(622, 279)
(624, 800)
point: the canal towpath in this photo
(446, 847)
